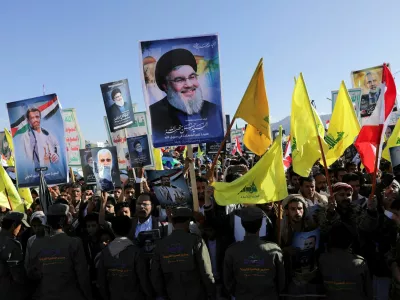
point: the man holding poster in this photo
(187, 72)
(37, 128)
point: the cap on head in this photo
(17, 217)
(39, 215)
(170, 60)
(340, 186)
(182, 212)
(251, 213)
(58, 209)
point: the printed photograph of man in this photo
(104, 170)
(176, 75)
(87, 169)
(368, 101)
(40, 146)
(169, 194)
(139, 151)
(119, 106)
(310, 242)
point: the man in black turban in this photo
(184, 104)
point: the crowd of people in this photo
(125, 245)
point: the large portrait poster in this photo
(5, 150)
(182, 90)
(117, 101)
(37, 128)
(139, 151)
(170, 187)
(73, 137)
(87, 166)
(369, 81)
(105, 168)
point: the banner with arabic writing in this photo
(119, 137)
(182, 90)
(73, 137)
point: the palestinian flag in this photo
(47, 110)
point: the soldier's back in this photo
(175, 255)
(345, 276)
(55, 259)
(256, 269)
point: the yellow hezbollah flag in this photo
(393, 141)
(265, 182)
(254, 106)
(343, 126)
(305, 127)
(10, 161)
(8, 193)
(25, 193)
(157, 159)
(255, 140)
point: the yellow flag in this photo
(158, 159)
(305, 127)
(26, 195)
(10, 161)
(343, 126)
(255, 140)
(265, 182)
(9, 193)
(254, 105)
(393, 141)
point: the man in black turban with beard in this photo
(183, 109)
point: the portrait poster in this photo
(118, 105)
(73, 137)
(355, 96)
(182, 90)
(5, 150)
(87, 166)
(140, 153)
(212, 148)
(236, 133)
(308, 244)
(395, 157)
(170, 187)
(118, 139)
(369, 80)
(37, 129)
(105, 168)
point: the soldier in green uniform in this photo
(181, 267)
(253, 269)
(345, 274)
(59, 262)
(12, 271)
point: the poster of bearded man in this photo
(118, 104)
(182, 90)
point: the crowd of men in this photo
(124, 245)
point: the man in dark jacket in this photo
(181, 267)
(59, 262)
(121, 271)
(12, 272)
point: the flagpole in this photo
(373, 188)
(228, 131)
(8, 198)
(320, 145)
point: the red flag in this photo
(375, 126)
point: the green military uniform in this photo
(181, 267)
(345, 275)
(59, 262)
(12, 271)
(253, 269)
